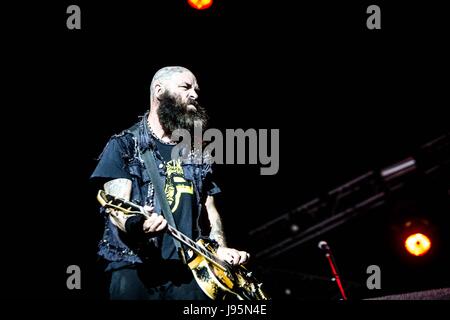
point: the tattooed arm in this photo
(230, 255)
(216, 222)
(120, 188)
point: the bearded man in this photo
(141, 256)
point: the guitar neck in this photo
(194, 246)
(129, 207)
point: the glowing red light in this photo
(200, 4)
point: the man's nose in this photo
(193, 94)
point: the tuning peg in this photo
(249, 274)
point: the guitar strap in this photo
(152, 169)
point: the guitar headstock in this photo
(112, 202)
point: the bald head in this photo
(166, 74)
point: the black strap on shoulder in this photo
(152, 169)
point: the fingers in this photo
(235, 257)
(243, 257)
(154, 223)
(149, 209)
(162, 226)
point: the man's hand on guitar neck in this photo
(151, 225)
(154, 223)
(232, 256)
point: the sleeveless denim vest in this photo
(118, 246)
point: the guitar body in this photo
(218, 284)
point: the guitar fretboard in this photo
(194, 246)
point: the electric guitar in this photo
(218, 279)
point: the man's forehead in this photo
(185, 76)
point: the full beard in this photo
(174, 114)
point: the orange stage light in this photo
(200, 4)
(417, 244)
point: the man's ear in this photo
(158, 91)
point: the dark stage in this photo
(348, 102)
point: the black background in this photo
(346, 100)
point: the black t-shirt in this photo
(181, 199)
(111, 164)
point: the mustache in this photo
(193, 102)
